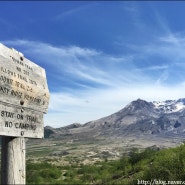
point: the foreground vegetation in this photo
(164, 165)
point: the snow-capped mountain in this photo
(170, 106)
(142, 117)
(165, 118)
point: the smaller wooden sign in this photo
(20, 122)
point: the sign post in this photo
(24, 98)
(13, 160)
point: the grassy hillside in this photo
(163, 165)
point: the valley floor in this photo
(104, 161)
(82, 151)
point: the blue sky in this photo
(99, 55)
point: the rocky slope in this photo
(164, 119)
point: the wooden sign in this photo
(20, 122)
(24, 95)
(22, 82)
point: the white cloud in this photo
(73, 11)
(103, 83)
(97, 103)
(81, 63)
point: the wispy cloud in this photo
(96, 103)
(100, 83)
(73, 11)
(80, 63)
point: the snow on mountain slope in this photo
(170, 106)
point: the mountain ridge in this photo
(139, 117)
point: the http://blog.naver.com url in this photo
(159, 182)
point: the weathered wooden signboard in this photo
(24, 95)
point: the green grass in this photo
(39, 153)
(167, 164)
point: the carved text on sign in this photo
(22, 80)
(20, 122)
(24, 95)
